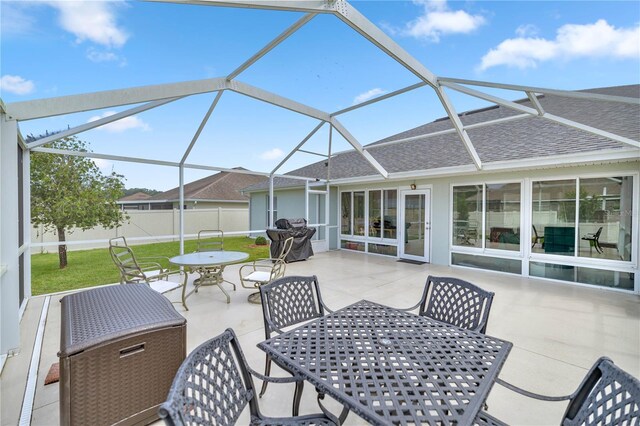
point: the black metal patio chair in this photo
(289, 301)
(594, 240)
(214, 385)
(535, 238)
(607, 395)
(456, 302)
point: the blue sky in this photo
(59, 48)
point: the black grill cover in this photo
(296, 228)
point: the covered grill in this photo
(296, 228)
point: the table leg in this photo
(184, 289)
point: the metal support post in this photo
(9, 262)
(181, 168)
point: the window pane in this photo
(604, 223)
(503, 216)
(579, 274)
(345, 227)
(375, 224)
(467, 215)
(553, 217)
(358, 213)
(383, 249)
(390, 213)
(352, 245)
(513, 266)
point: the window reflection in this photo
(345, 221)
(605, 212)
(467, 215)
(553, 217)
(503, 216)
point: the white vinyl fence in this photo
(147, 226)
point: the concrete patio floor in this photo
(558, 331)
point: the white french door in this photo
(415, 225)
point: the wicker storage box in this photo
(120, 348)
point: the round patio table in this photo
(201, 262)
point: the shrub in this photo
(261, 241)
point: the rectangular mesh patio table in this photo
(393, 367)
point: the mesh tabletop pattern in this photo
(103, 314)
(393, 367)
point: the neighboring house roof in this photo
(520, 139)
(138, 196)
(223, 186)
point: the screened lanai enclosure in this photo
(15, 241)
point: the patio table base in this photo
(255, 298)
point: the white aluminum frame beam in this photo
(595, 131)
(282, 37)
(565, 93)
(318, 6)
(487, 97)
(313, 153)
(277, 100)
(40, 108)
(380, 98)
(545, 115)
(100, 122)
(459, 128)
(358, 147)
(452, 130)
(161, 162)
(306, 138)
(533, 98)
(356, 20)
(201, 127)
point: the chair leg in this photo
(598, 246)
(267, 371)
(297, 396)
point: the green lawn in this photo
(88, 268)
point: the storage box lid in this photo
(104, 314)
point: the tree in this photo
(70, 192)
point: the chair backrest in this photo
(597, 234)
(125, 260)
(212, 386)
(535, 231)
(286, 248)
(607, 396)
(456, 302)
(210, 240)
(290, 300)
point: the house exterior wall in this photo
(441, 215)
(290, 204)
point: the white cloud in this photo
(437, 20)
(126, 123)
(527, 30)
(16, 85)
(105, 56)
(16, 18)
(272, 154)
(92, 20)
(368, 95)
(572, 41)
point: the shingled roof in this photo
(137, 196)
(223, 186)
(519, 139)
